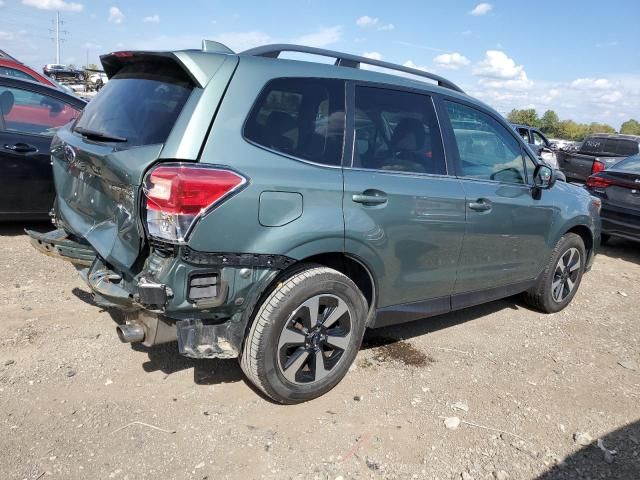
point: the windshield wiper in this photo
(99, 136)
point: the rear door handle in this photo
(480, 206)
(21, 148)
(370, 197)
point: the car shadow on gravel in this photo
(592, 462)
(16, 228)
(404, 331)
(621, 249)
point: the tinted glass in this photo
(626, 148)
(592, 145)
(491, 153)
(141, 103)
(302, 117)
(11, 72)
(33, 113)
(397, 131)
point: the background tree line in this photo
(553, 127)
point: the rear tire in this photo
(559, 282)
(305, 335)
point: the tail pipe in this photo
(130, 332)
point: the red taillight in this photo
(177, 194)
(598, 182)
(597, 166)
(122, 54)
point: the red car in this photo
(11, 68)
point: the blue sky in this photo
(580, 58)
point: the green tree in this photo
(595, 127)
(550, 123)
(630, 127)
(528, 116)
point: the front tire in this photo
(305, 335)
(559, 282)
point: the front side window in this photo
(491, 153)
(397, 131)
(538, 139)
(301, 117)
(24, 111)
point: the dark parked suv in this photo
(272, 210)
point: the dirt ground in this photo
(75, 403)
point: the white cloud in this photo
(115, 15)
(373, 22)
(481, 9)
(240, 41)
(151, 19)
(591, 83)
(497, 70)
(322, 37)
(411, 64)
(452, 61)
(59, 5)
(7, 36)
(372, 55)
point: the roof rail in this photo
(346, 60)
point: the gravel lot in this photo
(522, 384)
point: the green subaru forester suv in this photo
(250, 206)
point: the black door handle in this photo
(370, 197)
(480, 206)
(21, 148)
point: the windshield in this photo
(140, 104)
(631, 164)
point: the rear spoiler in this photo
(199, 65)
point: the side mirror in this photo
(543, 177)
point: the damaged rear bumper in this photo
(58, 244)
(202, 300)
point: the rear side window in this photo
(301, 117)
(141, 103)
(24, 111)
(12, 72)
(397, 131)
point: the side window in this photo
(524, 134)
(530, 165)
(24, 111)
(538, 139)
(489, 152)
(12, 72)
(397, 131)
(302, 117)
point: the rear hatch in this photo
(140, 117)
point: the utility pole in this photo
(57, 37)
(57, 33)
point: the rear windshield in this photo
(140, 103)
(631, 164)
(609, 146)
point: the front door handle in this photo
(480, 206)
(370, 197)
(21, 148)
